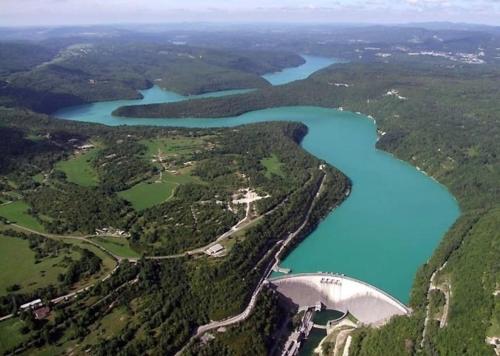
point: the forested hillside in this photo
(44, 78)
(171, 297)
(444, 120)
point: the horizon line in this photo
(229, 23)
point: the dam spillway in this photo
(368, 304)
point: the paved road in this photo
(215, 324)
(84, 238)
(75, 293)
(240, 225)
(263, 281)
(87, 238)
(306, 220)
(340, 342)
(347, 346)
(243, 315)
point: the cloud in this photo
(28, 12)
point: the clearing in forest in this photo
(10, 334)
(17, 213)
(273, 166)
(79, 170)
(173, 157)
(29, 274)
(118, 246)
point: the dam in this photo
(368, 304)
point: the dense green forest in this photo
(220, 163)
(259, 335)
(83, 72)
(170, 298)
(443, 119)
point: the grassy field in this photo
(118, 246)
(150, 193)
(79, 170)
(38, 178)
(273, 166)
(111, 325)
(494, 329)
(108, 262)
(17, 212)
(10, 335)
(174, 145)
(17, 266)
(239, 235)
(147, 194)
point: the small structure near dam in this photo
(368, 304)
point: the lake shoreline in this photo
(407, 220)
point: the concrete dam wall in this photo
(367, 303)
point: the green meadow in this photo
(147, 194)
(108, 262)
(38, 178)
(79, 170)
(174, 145)
(17, 212)
(10, 334)
(494, 329)
(273, 166)
(117, 245)
(109, 326)
(18, 266)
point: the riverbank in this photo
(391, 205)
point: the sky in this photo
(76, 12)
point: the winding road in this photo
(263, 281)
(243, 223)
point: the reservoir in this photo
(391, 222)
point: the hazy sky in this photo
(56, 12)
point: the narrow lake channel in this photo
(394, 217)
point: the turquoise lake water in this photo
(288, 75)
(394, 217)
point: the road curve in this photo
(243, 315)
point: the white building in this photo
(32, 305)
(215, 250)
